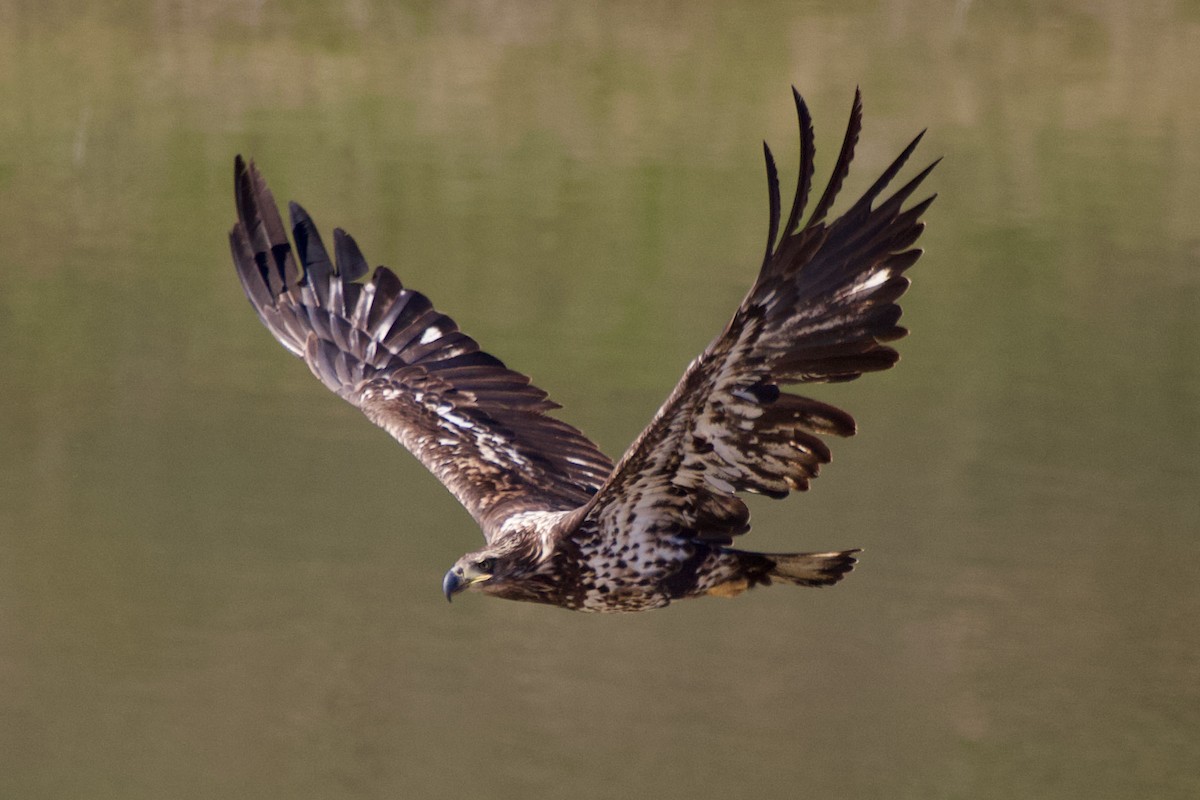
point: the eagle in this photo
(562, 524)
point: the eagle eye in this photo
(487, 565)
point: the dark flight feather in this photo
(477, 425)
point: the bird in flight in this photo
(562, 524)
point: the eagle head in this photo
(502, 568)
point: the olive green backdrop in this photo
(217, 580)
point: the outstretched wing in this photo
(481, 428)
(821, 310)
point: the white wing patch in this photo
(491, 447)
(875, 279)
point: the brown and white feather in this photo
(480, 427)
(821, 310)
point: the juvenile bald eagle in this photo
(562, 524)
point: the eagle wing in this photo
(821, 310)
(480, 427)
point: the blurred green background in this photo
(218, 580)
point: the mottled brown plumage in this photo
(562, 524)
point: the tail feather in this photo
(799, 569)
(811, 569)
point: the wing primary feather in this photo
(258, 243)
(899, 262)
(311, 251)
(267, 234)
(842, 168)
(897, 229)
(389, 302)
(350, 261)
(253, 281)
(807, 153)
(773, 199)
(905, 191)
(908, 226)
(864, 202)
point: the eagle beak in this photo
(459, 578)
(453, 583)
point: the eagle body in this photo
(563, 524)
(660, 568)
(583, 567)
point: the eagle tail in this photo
(811, 569)
(800, 569)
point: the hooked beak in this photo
(453, 583)
(458, 579)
